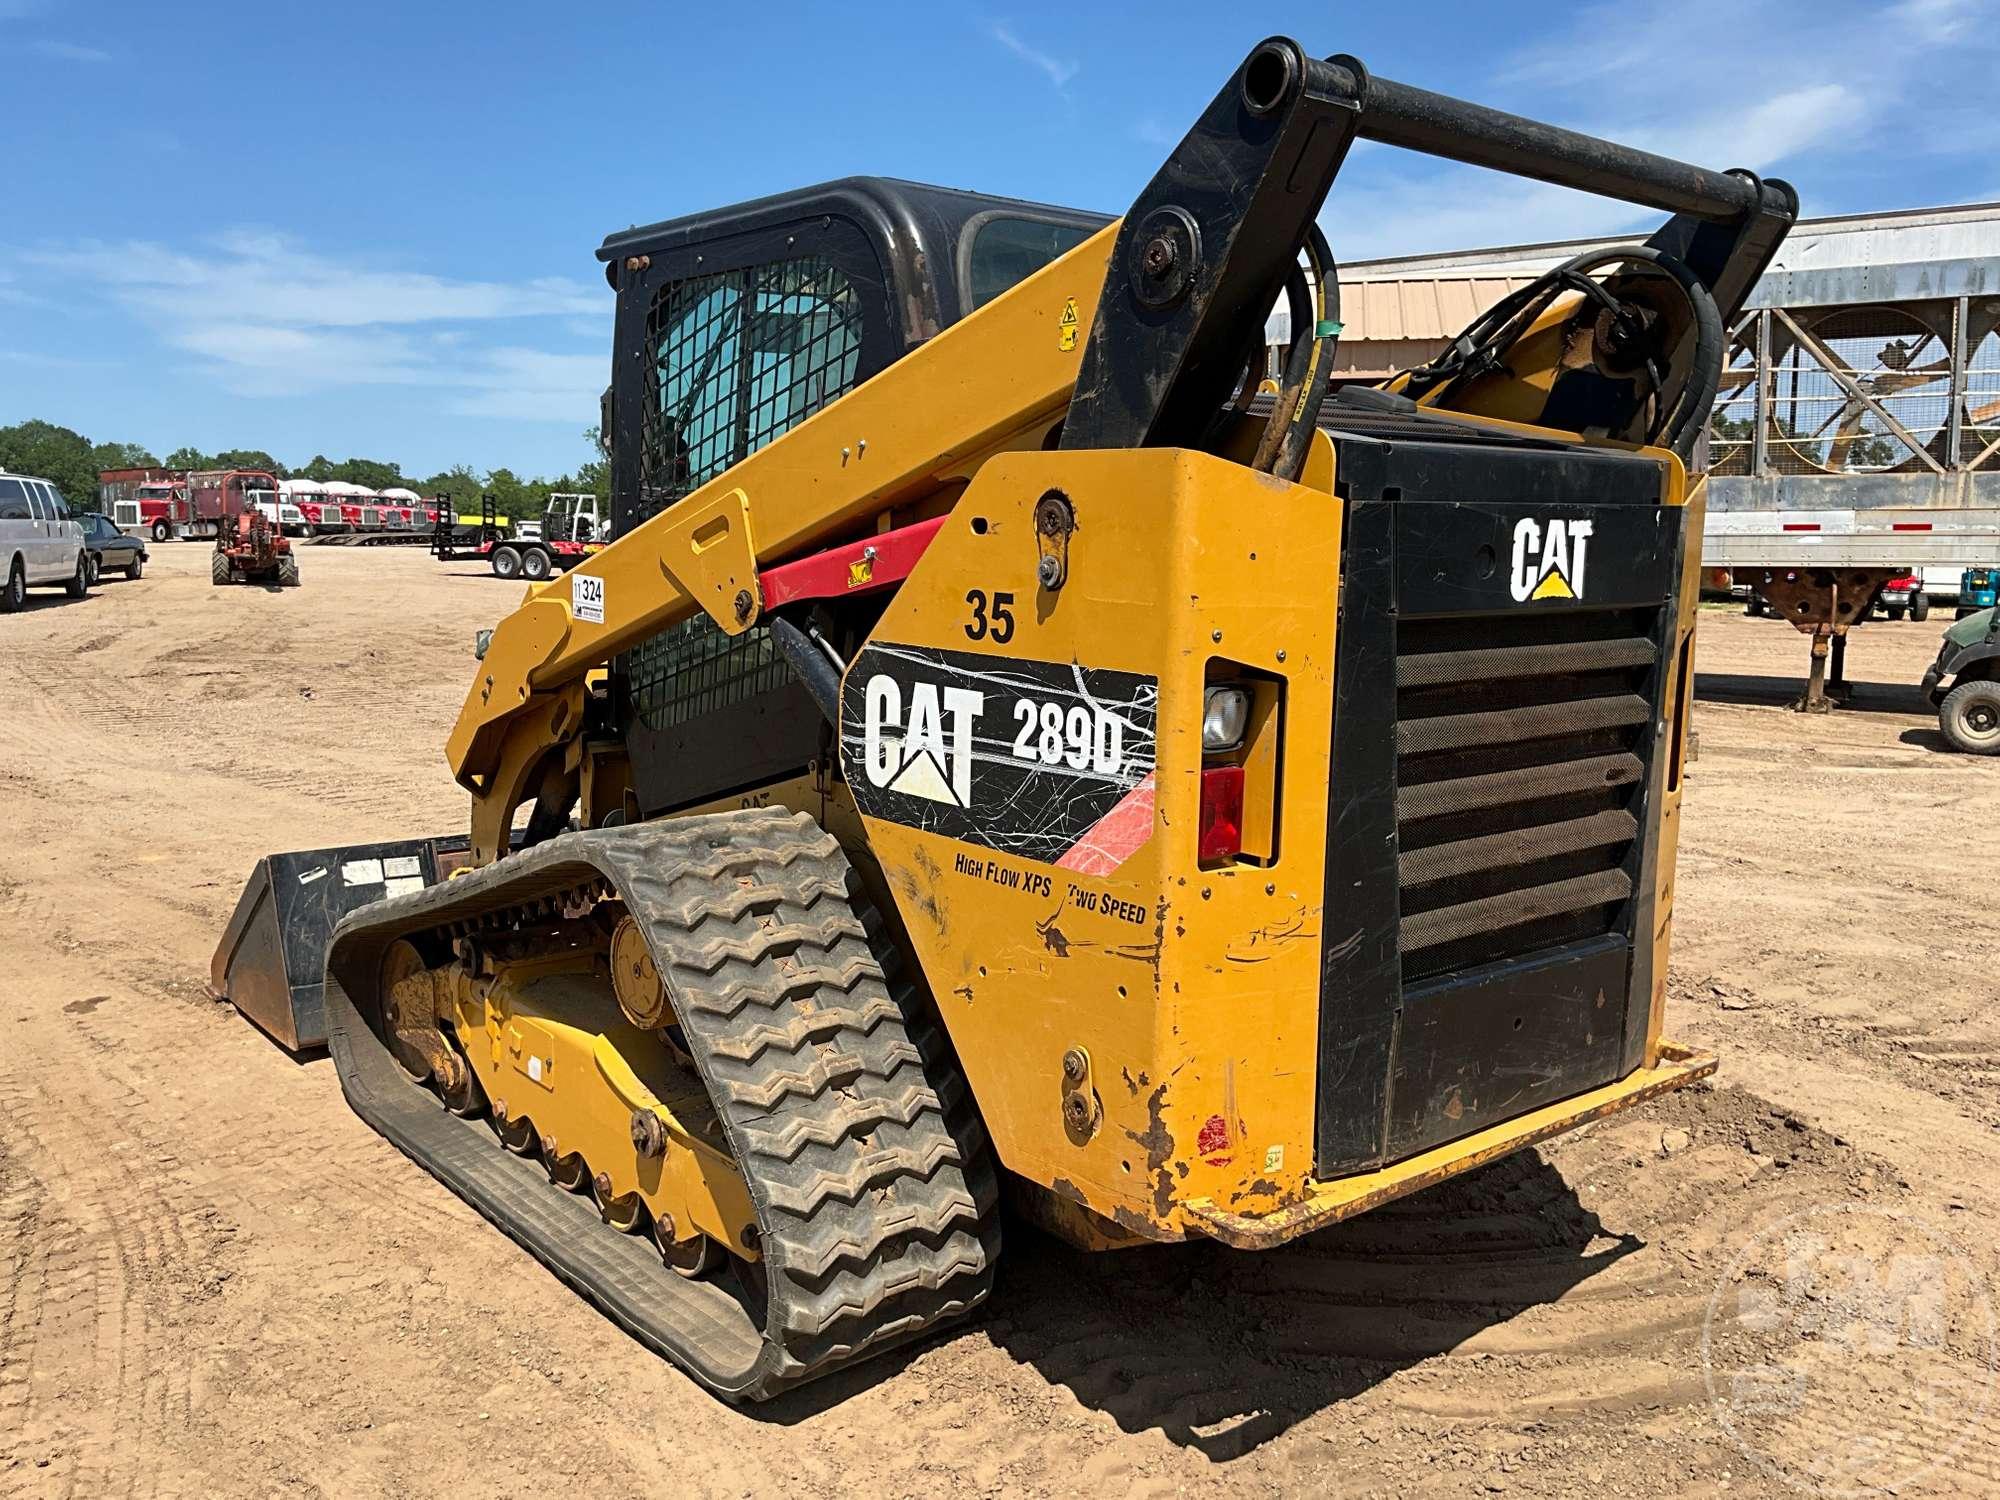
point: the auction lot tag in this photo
(586, 598)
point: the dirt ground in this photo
(214, 1280)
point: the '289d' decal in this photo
(1050, 761)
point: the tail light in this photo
(1219, 834)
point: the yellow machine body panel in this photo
(1190, 994)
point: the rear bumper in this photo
(1344, 1197)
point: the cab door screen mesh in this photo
(738, 358)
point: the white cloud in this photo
(68, 51)
(1723, 83)
(534, 385)
(260, 314)
(261, 277)
(1059, 70)
(1939, 20)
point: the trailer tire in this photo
(535, 564)
(288, 572)
(1970, 717)
(218, 569)
(1920, 607)
(78, 583)
(16, 593)
(506, 563)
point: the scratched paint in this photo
(1211, 1142)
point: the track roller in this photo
(747, 949)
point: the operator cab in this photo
(742, 322)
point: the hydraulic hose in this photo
(1482, 347)
(1288, 434)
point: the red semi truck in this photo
(169, 503)
(144, 501)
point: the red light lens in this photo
(1220, 833)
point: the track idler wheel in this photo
(567, 1169)
(624, 1213)
(693, 1258)
(517, 1132)
(464, 1096)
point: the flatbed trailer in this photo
(1878, 537)
(402, 536)
(569, 533)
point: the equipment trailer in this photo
(567, 533)
(999, 746)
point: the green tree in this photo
(248, 458)
(370, 473)
(513, 496)
(594, 477)
(54, 453)
(123, 456)
(459, 482)
(186, 457)
(319, 470)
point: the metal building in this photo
(1858, 422)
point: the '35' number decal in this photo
(998, 621)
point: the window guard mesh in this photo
(737, 359)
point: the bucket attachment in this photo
(271, 961)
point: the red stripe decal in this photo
(860, 567)
(1115, 837)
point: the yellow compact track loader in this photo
(1003, 749)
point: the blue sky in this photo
(367, 229)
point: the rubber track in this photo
(875, 1194)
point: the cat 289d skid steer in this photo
(1002, 748)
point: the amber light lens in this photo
(1220, 826)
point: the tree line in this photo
(72, 463)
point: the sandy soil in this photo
(214, 1280)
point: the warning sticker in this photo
(1066, 326)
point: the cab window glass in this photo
(1005, 250)
(14, 501)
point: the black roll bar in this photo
(1207, 248)
(1396, 114)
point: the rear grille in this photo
(1521, 755)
